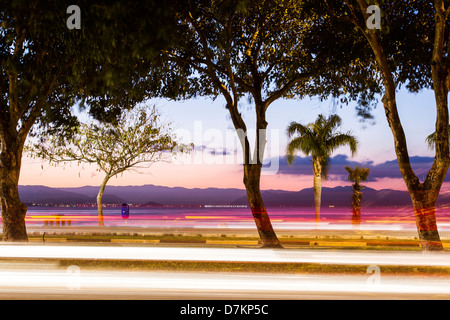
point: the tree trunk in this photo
(252, 170)
(423, 195)
(424, 203)
(317, 171)
(317, 196)
(252, 174)
(99, 201)
(356, 203)
(13, 210)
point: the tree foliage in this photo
(136, 139)
(357, 175)
(234, 48)
(318, 140)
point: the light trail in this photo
(32, 280)
(105, 284)
(226, 255)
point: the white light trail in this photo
(226, 254)
(141, 283)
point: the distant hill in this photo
(159, 195)
(56, 196)
(164, 195)
(338, 197)
(146, 194)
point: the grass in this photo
(200, 240)
(286, 268)
(212, 266)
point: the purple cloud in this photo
(388, 169)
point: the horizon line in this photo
(153, 185)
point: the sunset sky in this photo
(217, 156)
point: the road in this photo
(48, 280)
(79, 284)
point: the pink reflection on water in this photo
(205, 217)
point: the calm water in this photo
(200, 217)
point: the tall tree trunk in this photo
(99, 201)
(424, 204)
(252, 174)
(317, 171)
(423, 195)
(13, 210)
(252, 170)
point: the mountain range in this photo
(160, 195)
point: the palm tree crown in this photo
(358, 174)
(318, 140)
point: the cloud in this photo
(388, 169)
(215, 151)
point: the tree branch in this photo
(282, 91)
(36, 109)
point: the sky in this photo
(216, 159)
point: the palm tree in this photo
(318, 140)
(357, 175)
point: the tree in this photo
(37, 57)
(318, 140)
(138, 139)
(47, 67)
(250, 50)
(357, 175)
(412, 34)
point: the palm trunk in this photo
(13, 210)
(317, 171)
(356, 203)
(317, 196)
(99, 201)
(252, 174)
